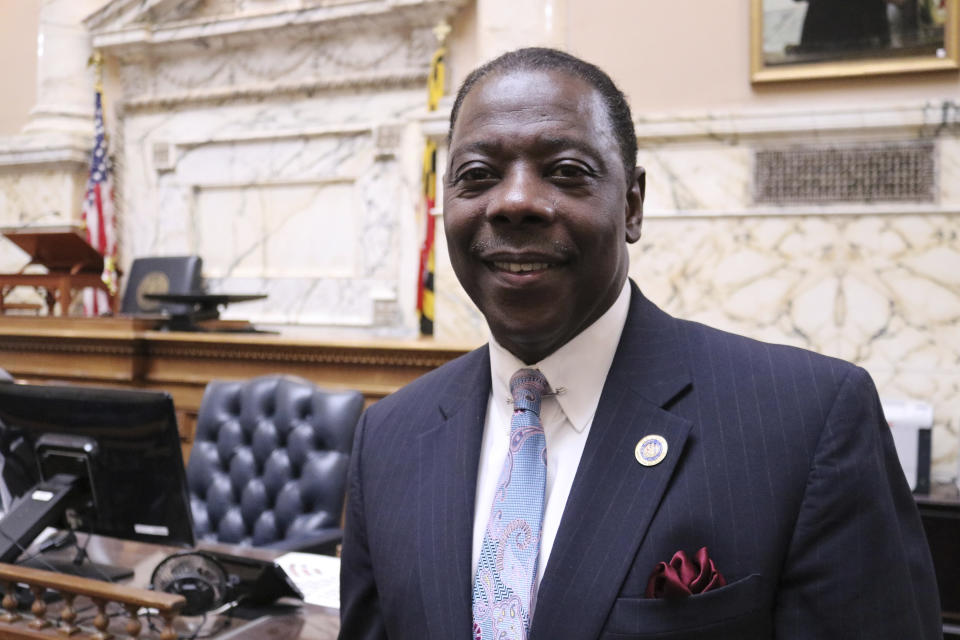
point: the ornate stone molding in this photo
(930, 118)
(166, 154)
(181, 53)
(342, 129)
(801, 211)
(131, 26)
(32, 150)
(413, 76)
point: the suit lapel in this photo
(613, 497)
(448, 458)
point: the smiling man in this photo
(539, 207)
(601, 469)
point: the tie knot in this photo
(527, 387)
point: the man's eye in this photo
(569, 170)
(475, 174)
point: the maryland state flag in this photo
(425, 285)
(425, 307)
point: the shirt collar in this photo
(578, 368)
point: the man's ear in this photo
(634, 208)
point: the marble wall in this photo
(874, 283)
(279, 141)
(880, 290)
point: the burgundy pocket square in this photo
(683, 576)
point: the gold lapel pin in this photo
(651, 450)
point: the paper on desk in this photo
(317, 577)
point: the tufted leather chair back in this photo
(269, 460)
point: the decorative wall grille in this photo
(850, 173)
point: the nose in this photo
(521, 196)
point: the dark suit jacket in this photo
(779, 462)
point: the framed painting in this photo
(801, 39)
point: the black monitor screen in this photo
(122, 446)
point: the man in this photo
(683, 482)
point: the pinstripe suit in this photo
(779, 462)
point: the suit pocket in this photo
(737, 610)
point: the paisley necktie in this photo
(503, 590)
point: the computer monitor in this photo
(104, 461)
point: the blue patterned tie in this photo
(504, 587)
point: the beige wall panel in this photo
(18, 48)
(693, 55)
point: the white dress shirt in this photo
(578, 371)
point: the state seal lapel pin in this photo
(651, 450)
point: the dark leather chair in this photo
(269, 463)
(161, 274)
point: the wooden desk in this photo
(70, 262)
(289, 620)
(130, 352)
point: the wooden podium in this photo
(71, 264)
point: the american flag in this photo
(99, 218)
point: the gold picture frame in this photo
(923, 36)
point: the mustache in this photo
(500, 243)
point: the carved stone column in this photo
(64, 97)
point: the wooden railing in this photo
(38, 625)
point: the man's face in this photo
(537, 208)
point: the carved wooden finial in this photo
(96, 61)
